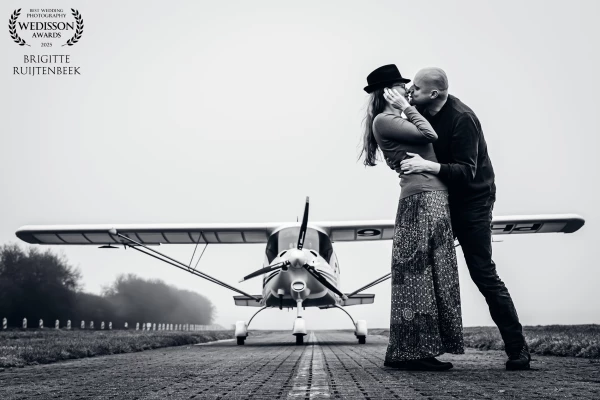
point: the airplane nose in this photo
(296, 258)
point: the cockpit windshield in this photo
(287, 238)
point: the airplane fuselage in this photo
(285, 288)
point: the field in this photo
(19, 348)
(551, 340)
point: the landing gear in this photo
(361, 331)
(360, 327)
(299, 329)
(241, 328)
(241, 332)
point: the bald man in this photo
(465, 167)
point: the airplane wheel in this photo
(299, 339)
(240, 340)
(362, 340)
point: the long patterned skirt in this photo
(426, 318)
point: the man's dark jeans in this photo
(471, 224)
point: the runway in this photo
(331, 365)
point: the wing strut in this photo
(199, 258)
(375, 282)
(178, 264)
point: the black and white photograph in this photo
(299, 200)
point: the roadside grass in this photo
(551, 340)
(19, 348)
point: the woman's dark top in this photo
(396, 136)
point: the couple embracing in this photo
(436, 144)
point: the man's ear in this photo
(434, 94)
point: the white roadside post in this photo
(41, 324)
(126, 325)
(109, 325)
(56, 325)
(154, 326)
(4, 323)
(24, 323)
(102, 325)
(91, 324)
(82, 324)
(137, 326)
(68, 324)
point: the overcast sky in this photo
(193, 112)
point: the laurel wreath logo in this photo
(78, 30)
(12, 28)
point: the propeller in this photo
(298, 257)
(303, 226)
(281, 265)
(311, 270)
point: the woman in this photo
(426, 315)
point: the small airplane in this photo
(300, 267)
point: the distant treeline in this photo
(38, 284)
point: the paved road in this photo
(329, 365)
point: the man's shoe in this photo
(423, 364)
(518, 359)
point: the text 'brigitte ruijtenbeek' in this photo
(44, 70)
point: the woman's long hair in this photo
(377, 104)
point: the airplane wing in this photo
(384, 229)
(149, 234)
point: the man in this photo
(465, 167)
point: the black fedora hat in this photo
(383, 77)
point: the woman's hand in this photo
(395, 99)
